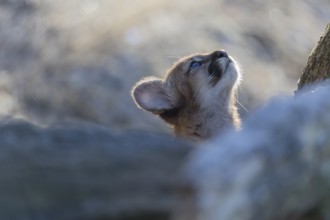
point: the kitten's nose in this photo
(220, 54)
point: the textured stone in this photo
(86, 172)
(276, 167)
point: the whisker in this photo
(243, 107)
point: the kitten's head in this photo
(196, 83)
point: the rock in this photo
(276, 167)
(86, 172)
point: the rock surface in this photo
(276, 167)
(87, 172)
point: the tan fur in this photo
(198, 100)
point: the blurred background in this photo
(76, 60)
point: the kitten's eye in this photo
(195, 65)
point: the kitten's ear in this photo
(150, 95)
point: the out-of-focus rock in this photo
(87, 172)
(276, 167)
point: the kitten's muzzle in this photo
(217, 68)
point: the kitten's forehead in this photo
(196, 57)
(183, 64)
(185, 61)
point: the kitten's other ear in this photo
(150, 95)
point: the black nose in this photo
(220, 54)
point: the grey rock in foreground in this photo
(86, 172)
(276, 167)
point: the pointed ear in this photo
(150, 95)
